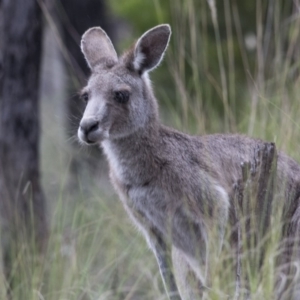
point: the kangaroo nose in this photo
(89, 125)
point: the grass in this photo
(94, 251)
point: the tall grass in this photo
(263, 105)
(94, 252)
(265, 97)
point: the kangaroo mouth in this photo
(89, 142)
(92, 138)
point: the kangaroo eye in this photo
(85, 97)
(121, 96)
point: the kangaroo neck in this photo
(132, 158)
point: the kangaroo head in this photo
(118, 96)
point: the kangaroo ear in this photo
(97, 48)
(150, 48)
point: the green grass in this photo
(94, 253)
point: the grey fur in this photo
(175, 187)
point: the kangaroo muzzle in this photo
(90, 131)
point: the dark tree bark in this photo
(76, 16)
(253, 194)
(22, 203)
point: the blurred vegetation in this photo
(219, 50)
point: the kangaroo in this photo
(175, 187)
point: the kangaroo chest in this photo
(152, 208)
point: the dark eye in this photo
(121, 96)
(85, 97)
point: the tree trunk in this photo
(22, 203)
(253, 209)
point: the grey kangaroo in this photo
(175, 187)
